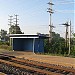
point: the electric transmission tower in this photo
(50, 10)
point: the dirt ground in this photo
(2, 73)
(58, 60)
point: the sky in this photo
(33, 15)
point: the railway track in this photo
(17, 66)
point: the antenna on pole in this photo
(50, 10)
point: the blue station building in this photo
(28, 42)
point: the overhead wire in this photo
(61, 11)
(65, 2)
(65, 11)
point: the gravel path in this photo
(58, 60)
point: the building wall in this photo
(28, 44)
(39, 45)
(24, 44)
(18, 44)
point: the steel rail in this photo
(45, 65)
(28, 68)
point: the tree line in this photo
(57, 45)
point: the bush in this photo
(6, 47)
(4, 43)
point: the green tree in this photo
(73, 45)
(3, 35)
(57, 45)
(74, 35)
(15, 30)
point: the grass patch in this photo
(63, 55)
(5, 47)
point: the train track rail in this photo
(23, 66)
(23, 69)
(43, 65)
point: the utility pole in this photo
(50, 10)
(10, 20)
(16, 23)
(16, 20)
(10, 29)
(10, 23)
(68, 36)
(70, 40)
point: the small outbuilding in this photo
(28, 42)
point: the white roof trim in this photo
(23, 34)
(24, 37)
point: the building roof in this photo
(27, 36)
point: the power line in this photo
(65, 2)
(65, 11)
(69, 2)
